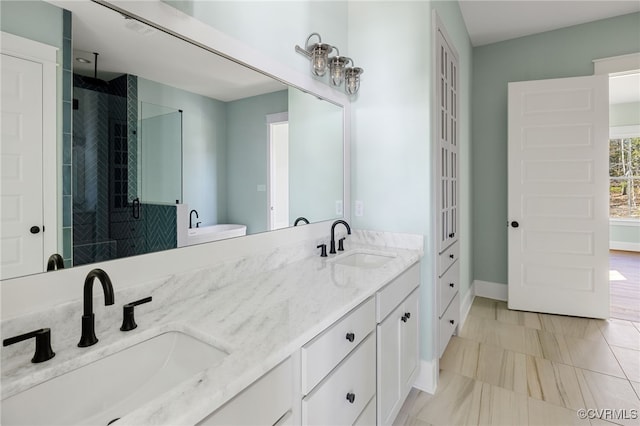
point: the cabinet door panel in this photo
(409, 338)
(389, 343)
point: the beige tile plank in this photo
(545, 414)
(553, 383)
(621, 333)
(601, 391)
(461, 356)
(629, 360)
(500, 406)
(456, 402)
(593, 355)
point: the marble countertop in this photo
(259, 320)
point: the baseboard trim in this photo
(427, 380)
(621, 245)
(465, 306)
(491, 290)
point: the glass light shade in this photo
(352, 80)
(319, 58)
(337, 68)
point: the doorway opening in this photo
(278, 173)
(624, 196)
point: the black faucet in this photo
(55, 262)
(300, 219)
(43, 344)
(191, 216)
(333, 234)
(88, 319)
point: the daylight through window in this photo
(624, 178)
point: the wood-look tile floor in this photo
(520, 368)
(624, 282)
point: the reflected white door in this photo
(22, 136)
(278, 175)
(558, 196)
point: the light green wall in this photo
(274, 27)
(624, 114)
(204, 147)
(566, 52)
(44, 23)
(392, 152)
(247, 158)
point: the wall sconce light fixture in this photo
(318, 54)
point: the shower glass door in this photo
(160, 138)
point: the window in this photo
(624, 178)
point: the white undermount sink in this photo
(362, 258)
(113, 386)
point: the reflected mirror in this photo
(162, 144)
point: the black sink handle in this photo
(128, 320)
(43, 344)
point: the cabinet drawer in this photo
(448, 323)
(265, 402)
(448, 287)
(326, 350)
(447, 258)
(356, 375)
(368, 416)
(396, 291)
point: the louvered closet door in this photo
(447, 128)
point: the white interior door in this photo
(558, 196)
(22, 202)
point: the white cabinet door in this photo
(397, 358)
(409, 342)
(558, 196)
(389, 342)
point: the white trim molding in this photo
(618, 132)
(465, 304)
(617, 64)
(427, 380)
(624, 246)
(491, 290)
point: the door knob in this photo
(351, 397)
(34, 229)
(351, 337)
(515, 224)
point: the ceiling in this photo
(493, 21)
(129, 46)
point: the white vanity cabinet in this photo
(397, 343)
(338, 369)
(268, 401)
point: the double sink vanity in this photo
(319, 340)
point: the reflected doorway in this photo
(278, 181)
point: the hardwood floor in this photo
(521, 368)
(624, 281)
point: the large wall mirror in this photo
(163, 144)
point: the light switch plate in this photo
(339, 207)
(359, 208)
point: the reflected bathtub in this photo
(206, 234)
